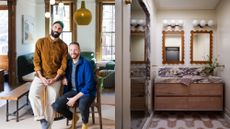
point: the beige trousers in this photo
(41, 97)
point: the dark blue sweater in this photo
(84, 77)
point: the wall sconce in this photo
(82, 16)
(202, 23)
(52, 2)
(173, 24)
(47, 14)
(137, 25)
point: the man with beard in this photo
(50, 62)
(80, 89)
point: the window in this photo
(3, 32)
(108, 32)
(64, 15)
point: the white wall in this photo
(35, 10)
(187, 16)
(223, 40)
(86, 35)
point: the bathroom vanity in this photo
(195, 97)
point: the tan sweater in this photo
(50, 57)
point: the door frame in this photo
(12, 42)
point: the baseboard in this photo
(227, 115)
(148, 121)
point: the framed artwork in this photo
(28, 29)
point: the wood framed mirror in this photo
(201, 47)
(173, 47)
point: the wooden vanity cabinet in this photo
(138, 98)
(195, 97)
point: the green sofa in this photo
(25, 65)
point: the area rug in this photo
(188, 120)
(26, 119)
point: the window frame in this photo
(99, 16)
(73, 27)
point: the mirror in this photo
(201, 47)
(137, 47)
(173, 47)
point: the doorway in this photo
(4, 38)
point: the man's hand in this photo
(44, 81)
(51, 81)
(64, 81)
(71, 101)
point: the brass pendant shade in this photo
(82, 16)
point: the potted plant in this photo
(210, 68)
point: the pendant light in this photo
(82, 16)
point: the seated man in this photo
(81, 86)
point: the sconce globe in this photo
(47, 14)
(180, 23)
(133, 22)
(202, 23)
(173, 22)
(210, 23)
(195, 23)
(82, 16)
(52, 2)
(165, 22)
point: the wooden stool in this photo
(95, 104)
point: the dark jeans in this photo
(83, 104)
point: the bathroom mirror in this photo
(201, 47)
(173, 47)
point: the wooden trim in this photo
(3, 7)
(47, 20)
(210, 50)
(138, 62)
(98, 31)
(106, 1)
(99, 16)
(74, 26)
(12, 41)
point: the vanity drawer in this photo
(206, 89)
(137, 90)
(205, 103)
(171, 103)
(170, 89)
(138, 103)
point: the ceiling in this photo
(186, 4)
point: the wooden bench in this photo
(15, 95)
(1, 80)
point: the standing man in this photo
(50, 62)
(81, 87)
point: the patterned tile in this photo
(188, 120)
